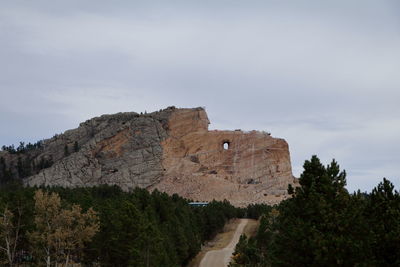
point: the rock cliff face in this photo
(171, 150)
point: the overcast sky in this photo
(324, 76)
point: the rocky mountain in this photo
(171, 150)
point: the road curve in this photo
(222, 257)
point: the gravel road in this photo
(222, 257)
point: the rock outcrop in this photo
(171, 150)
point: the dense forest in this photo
(321, 225)
(324, 225)
(105, 226)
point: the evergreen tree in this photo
(5, 172)
(384, 218)
(76, 146)
(66, 150)
(324, 225)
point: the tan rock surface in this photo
(171, 150)
(254, 168)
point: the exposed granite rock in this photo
(171, 150)
(122, 149)
(253, 167)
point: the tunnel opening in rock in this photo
(225, 145)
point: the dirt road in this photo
(222, 257)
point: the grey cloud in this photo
(324, 76)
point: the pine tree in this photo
(66, 150)
(76, 146)
(384, 217)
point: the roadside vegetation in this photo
(324, 225)
(321, 225)
(105, 226)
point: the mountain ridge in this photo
(170, 150)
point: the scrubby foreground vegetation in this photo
(105, 226)
(324, 225)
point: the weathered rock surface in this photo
(122, 149)
(254, 168)
(171, 150)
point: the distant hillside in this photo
(171, 150)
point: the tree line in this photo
(26, 160)
(324, 225)
(22, 147)
(25, 166)
(105, 226)
(26, 163)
